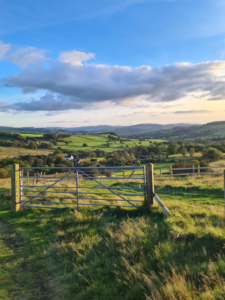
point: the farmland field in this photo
(11, 152)
(31, 135)
(96, 142)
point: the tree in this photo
(184, 151)
(32, 145)
(192, 152)
(213, 153)
(172, 148)
(85, 145)
(57, 151)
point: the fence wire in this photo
(200, 192)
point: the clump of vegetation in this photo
(3, 173)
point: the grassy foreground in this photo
(110, 254)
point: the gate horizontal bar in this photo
(109, 199)
(80, 168)
(81, 187)
(87, 178)
(75, 203)
(58, 192)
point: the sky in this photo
(115, 62)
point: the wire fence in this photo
(199, 189)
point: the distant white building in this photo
(69, 157)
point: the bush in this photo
(108, 173)
(213, 153)
(195, 162)
(3, 173)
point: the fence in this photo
(197, 188)
(78, 186)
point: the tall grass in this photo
(111, 254)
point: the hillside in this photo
(206, 131)
(125, 130)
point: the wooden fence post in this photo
(150, 183)
(15, 188)
(171, 171)
(199, 170)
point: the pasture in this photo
(30, 135)
(111, 253)
(97, 141)
(12, 152)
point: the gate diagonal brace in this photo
(108, 189)
(49, 187)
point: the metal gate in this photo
(45, 187)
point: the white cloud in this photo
(27, 56)
(72, 85)
(75, 57)
(4, 48)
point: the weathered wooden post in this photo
(150, 184)
(199, 170)
(171, 171)
(160, 172)
(15, 188)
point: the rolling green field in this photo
(96, 142)
(31, 135)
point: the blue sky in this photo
(77, 63)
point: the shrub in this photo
(3, 173)
(194, 162)
(213, 153)
(108, 173)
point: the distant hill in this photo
(123, 130)
(206, 131)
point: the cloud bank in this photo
(69, 84)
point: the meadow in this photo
(96, 142)
(111, 253)
(31, 135)
(12, 152)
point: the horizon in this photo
(111, 62)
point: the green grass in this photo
(31, 135)
(16, 152)
(96, 142)
(111, 253)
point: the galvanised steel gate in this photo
(58, 187)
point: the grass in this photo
(96, 142)
(31, 135)
(12, 152)
(204, 191)
(110, 254)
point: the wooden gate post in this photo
(15, 188)
(150, 184)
